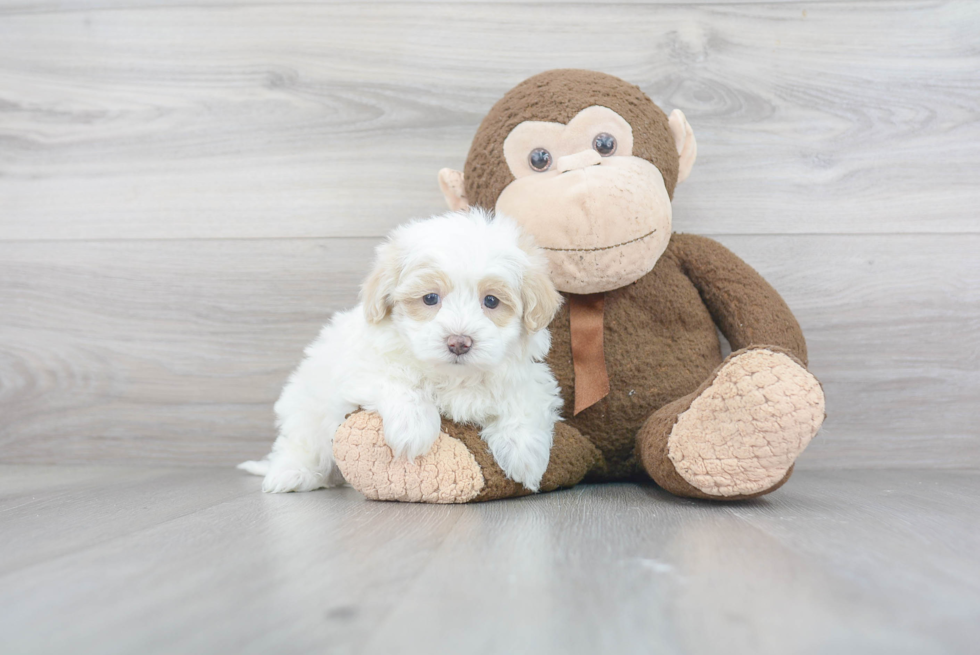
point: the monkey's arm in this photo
(747, 310)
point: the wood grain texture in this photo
(159, 351)
(132, 120)
(187, 192)
(891, 324)
(835, 562)
(174, 351)
(11, 7)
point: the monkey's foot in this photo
(740, 433)
(743, 433)
(458, 469)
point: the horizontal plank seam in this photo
(24, 11)
(382, 236)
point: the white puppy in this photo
(451, 322)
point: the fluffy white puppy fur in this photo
(452, 322)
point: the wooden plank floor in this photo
(122, 560)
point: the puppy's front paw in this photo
(284, 479)
(410, 430)
(522, 455)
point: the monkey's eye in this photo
(491, 302)
(539, 160)
(431, 299)
(604, 144)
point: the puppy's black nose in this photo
(459, 344)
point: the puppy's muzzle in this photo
(459, 344)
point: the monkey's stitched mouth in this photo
(618, 245)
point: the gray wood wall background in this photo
(187, 192)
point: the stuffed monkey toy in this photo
(587, 163)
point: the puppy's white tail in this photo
(260, 467)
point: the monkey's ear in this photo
(451, 183)
(379, 287)
(687, 147)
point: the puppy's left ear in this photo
(538, 295)
(379, 287)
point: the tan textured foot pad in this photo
(743, 432)
(447, 474)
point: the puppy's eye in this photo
(491, 302)
(539, 160)
(431, 299)
(604, 144)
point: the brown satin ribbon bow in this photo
(588, 359)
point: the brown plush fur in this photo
(661, 343)
(557, 96)
(572, 456)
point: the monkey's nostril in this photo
(459, 344)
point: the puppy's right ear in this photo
(379, 287)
